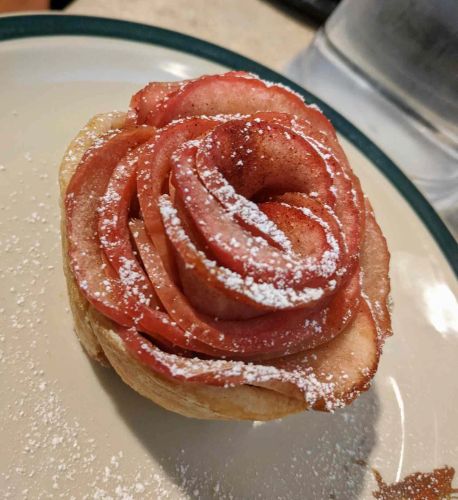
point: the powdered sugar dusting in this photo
(231, 372)
(238, 206)
(52, 448)
(262, 293)
(74, 437)
(328, 263)
(72, 440)
(133, 280)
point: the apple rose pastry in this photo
(220, 253)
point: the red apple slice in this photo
(375, 260)
(228, 94)
(328, 376)
(325, 378)
(268, 335)
(144, 103)
(86, 187)
(147, 99)
(114, 235)
(312, 229)
(154, 166)
(349, 204)
(233, 246)
(137, 291)
(106, 293)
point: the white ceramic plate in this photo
(69, 427)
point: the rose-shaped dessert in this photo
(220, 253)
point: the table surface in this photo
(258, 29)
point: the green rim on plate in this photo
(47, 25)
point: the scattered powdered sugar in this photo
(240, 207)
(328, 263)
(90, 138)
(55, 456)
(288, 89)
(51, 454)
(315, 106)
(133, 280)
(305, 380)
(51, 447)
(110, 196)
(218, 118)
(325, 153)
(276, 264)
(60, 450)
(284, 87)
(265, 294)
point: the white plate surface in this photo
(69, 427)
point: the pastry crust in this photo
(357, 348)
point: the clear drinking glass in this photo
(391, 67)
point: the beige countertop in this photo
(254, 28)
